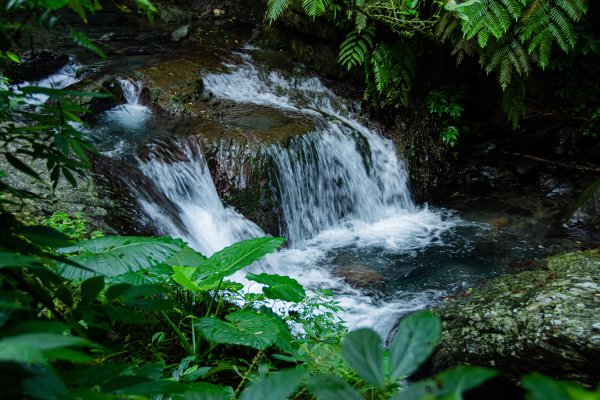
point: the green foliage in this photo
(416, 339)
(312, 8)
(73, 226)
(247, 328)
(513, 34)
(445, 103)
(279, 287)
(363, 350)
(509, 37)
(541, 387)
(355, 47)
(513, 102)
(116, 255)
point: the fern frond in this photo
(355, 47)
(505, 58)
(381, 62)
(314, 8)
(575, 9)
(360, 22)
(275, 9)
(513, 102)
(445, 27)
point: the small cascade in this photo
(180, 172)
(132, 115)
(64, 77)
(341, 172)
(123, 123)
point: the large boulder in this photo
(545, 320)
(583, 215)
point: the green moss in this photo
(543, 320)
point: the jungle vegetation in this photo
(509, 39)
(85, 315)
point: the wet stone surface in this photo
(544, 320)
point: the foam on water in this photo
(121, 123)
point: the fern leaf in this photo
(314, 8)
(513, 102)
(355, 47)
(575, 9)
(275, 9)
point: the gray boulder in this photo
(544, 320)
(584, 213)
(181, 33)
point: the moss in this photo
(543, 320)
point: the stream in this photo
(342, 190)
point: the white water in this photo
(64, 77)
(208, 225)
(342, 185)
(121, 123)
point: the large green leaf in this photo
(454, 382)
(540, 387)
(279, 287)
(330, 387)
(235, 257)
(183, 276)
(186, 257)
(363, 350)
(31, 347)
(116, 255)
(417, 336)
(12, 259)
(279, 385)
(245, 327)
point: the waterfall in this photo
(121, 125)
(341, 172)
(183, 176)
(132, 115)
(341, 186)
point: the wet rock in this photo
(584, 213)
(553, 186)
(114, 180)
(562, 189)
(499, 222)
(429, 165)
(181, 33)
(547, 182)
(36, 66)
(360, 276)
(85, 197)
(544, 320)
(476, 183)
(526, 171)
(564, 141)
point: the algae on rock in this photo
(545, 320)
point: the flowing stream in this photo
(343, 194)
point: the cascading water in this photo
(64, 77)
(184, 178)
(342, 188)
(124, 122)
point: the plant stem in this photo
(213, 298)
(184, 342)
(257, 357)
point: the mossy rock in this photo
(545, 320)
(584, 213)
